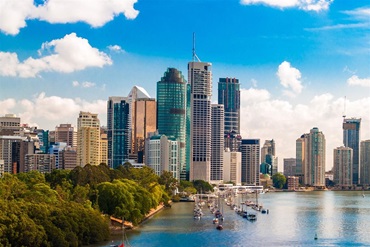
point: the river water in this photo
(338, 218)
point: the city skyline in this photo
(294, 67)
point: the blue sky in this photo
(295, 59)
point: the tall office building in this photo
(44, 163)
(217, 142)
(229, 96)
(232, 140)
(188, 130)
(200, 79)
(301, 147)
(145, 121)
(268, 156)
(66, 133)
(171, 111)
(118, 111)
(10, 149)
(313, 158)
(232, 167)
(88, 139)
(56, 150)
(250, 149)
(365, 162)
(289, 167)
(342, 166)
(9, 125)
(135, 93)
(351, 139)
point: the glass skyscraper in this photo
(351, 139)
(171, 111)
(229, 96)
(118, 130)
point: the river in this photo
(338, 218)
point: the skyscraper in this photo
(268, 155)
(66, 133)
(171, 111)
(88, 139)
(314, 165)
(118, 130)
(365, 162)
(250, 149)
(200, 79)
(229, 96)
(217, 142)
(145, 121)
(342, 166)
(351, 139)
(301, 149)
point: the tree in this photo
(278, 180)
(168, 181)
(202, 186)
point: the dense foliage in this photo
(72, 208)
(278, 180)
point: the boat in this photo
(219, 227)
(215, 220)
(251, 217)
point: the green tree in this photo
(168, 181)
(202, 186)
(278, 180)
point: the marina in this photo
(334, 218)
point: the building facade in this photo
(250, 149)
(268, 156)
(351, 139)
(44, 163)
(232, 165)
(365, 162)
(88, 139)
(163, 155)
(66, 133)
(289, 167)
(229, 96)
(200, 79)
(171, 111)
(217, 142)
(9, 125)
(343, 166)
(118, 130)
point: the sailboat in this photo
(220, 215)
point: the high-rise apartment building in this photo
(118, 110)
(301, 153)
(56, 150)
(311, 155)
(351, 139)
(163, 154)
(217, 142)
(44, 163)
(66, 133)
(365, 162)
(171, 111)
(229, 96)
(88, 139)
(200, 80)
(250, 149)
(342, 166)
(10, 152)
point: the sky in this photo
(301, 63)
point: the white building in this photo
(163, 155)
(232, 167)
(217, 143)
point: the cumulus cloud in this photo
(45, 111)
(267, 118)
(356, 81)
(307, 5)
(85, 84)
(115, 48)
(65, 55)
(13, 14)
(289, 78)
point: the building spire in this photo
(194, 54)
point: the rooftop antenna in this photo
(194, 54)
(344, 111)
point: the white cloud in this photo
(115, 48)
(85, 84)
(66, 55)
(289, 78)
(359, 13)
(307, 5)
(268, 118)
(356, 81)
(13, 14)
(6, 106)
